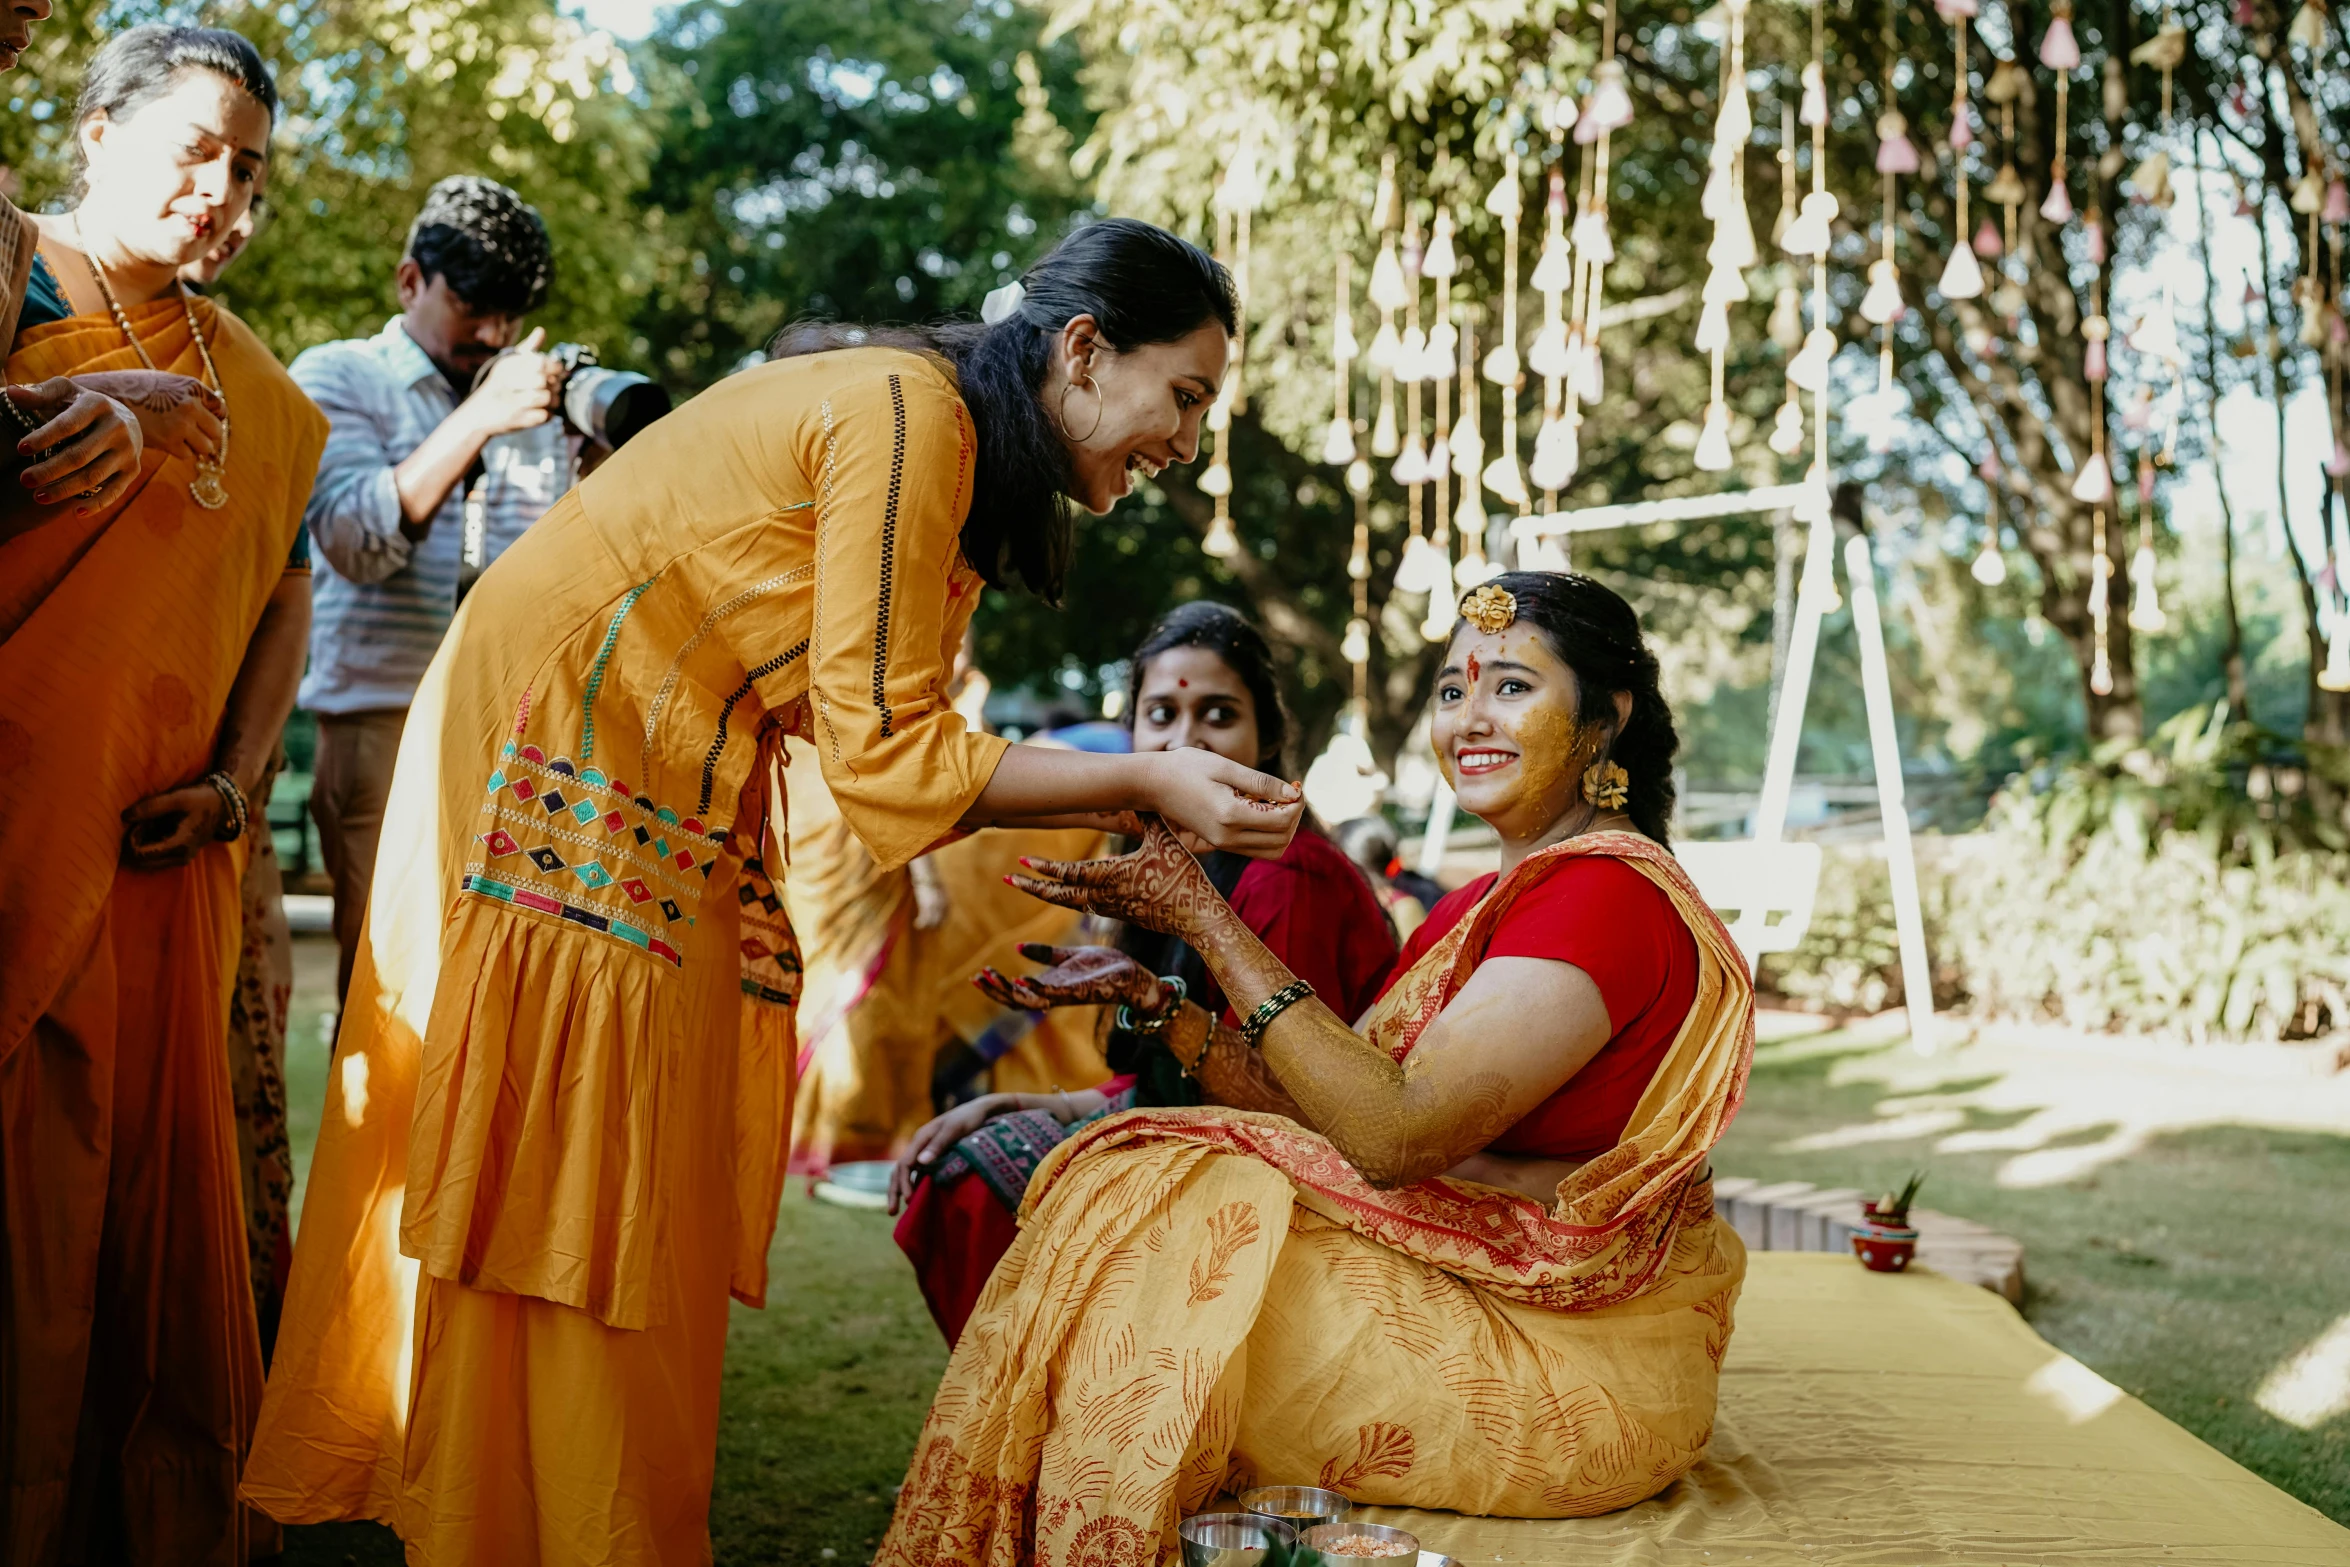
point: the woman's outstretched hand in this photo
(1159, 886)
(1075, 977)
(1225, 804)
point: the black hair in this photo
(1140, 284)
(487, 242)
(142, 63)
(1597, 635)
(1227, 633)
(1369, 841)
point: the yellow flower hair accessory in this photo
(1490, 609)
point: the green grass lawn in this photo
(2183, 1274)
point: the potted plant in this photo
(1886, 1242)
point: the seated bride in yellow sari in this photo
(1461, 1256)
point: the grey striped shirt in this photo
(379, 603)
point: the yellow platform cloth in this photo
(1910, 1419)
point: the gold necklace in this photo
(209, 489)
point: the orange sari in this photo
(1208, 1299)
(125, 1294)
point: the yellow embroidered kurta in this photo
(130, 1362)
(557, 1121)
(1210, 1299)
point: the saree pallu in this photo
(1206, 1299)
(257, 1009)
(127, 1309)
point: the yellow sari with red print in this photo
(1202, 1300)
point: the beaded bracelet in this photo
(1157, 1022)
(1252, 1027)
(239, 813)
(22, 418)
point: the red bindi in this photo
(1472, 669)
(1183, 685)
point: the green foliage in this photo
(2186, 887)
(855, 162)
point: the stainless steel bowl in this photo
(1231, 1539)
(1299, 1506)
(1404, 1552)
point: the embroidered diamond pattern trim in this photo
(584, 812)
(546, 859)
(553, 800)
(637, 891)
(524, 789)
(592, 874)
(670, 908)
(612, 821)
(501, 842)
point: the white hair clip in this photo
(1003, 303)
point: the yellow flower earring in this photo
(1607, 785)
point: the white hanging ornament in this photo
(1882, 302)
(1501, 365)
(1411, 464)
(1591, 238)
(1555, 272)
(1713, 327)
(1440, 261)
(1383, 431)
(1990, 567)
(1610, 107)
(1217, 481)
(1547, 355)
(1338, 443)
(1358, 484)
(2157, 335)
(1713, 441)
(1388, 288)
(1542, 554)
(1815, 95)
(1733, 244)
(1418, 571)
(2309, 27)
(1787, 429)
(1440, 351)
(1439, 458)
(1812, 232)
(1344, 782)
(1586, 379)
(1356, 646)
(1386, 345)
(1809, 368)
(1555, 454)
(2093, 485)
(1468, 452)
(1963, 277)
(1411, 355)
(1786, 328)
(1221, 540)
(1504, 482)
(1505, 201)
(2145, 608)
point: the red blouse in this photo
(1617, 926)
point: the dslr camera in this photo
(605, 405)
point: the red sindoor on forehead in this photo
(1472, 669)
(1182, 685)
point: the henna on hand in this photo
(1073, 977)
(1159, 886)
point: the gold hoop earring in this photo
(1097, 411)
(1606, 785)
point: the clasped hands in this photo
(94, 430)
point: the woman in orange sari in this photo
(148, 655)
(1462, 1256)
(560, 1105)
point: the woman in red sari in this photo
(1459, 1254)
(1204, 678)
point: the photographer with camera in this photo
(448, 416)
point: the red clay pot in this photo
(1884, 1249)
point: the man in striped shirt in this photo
(412, 445)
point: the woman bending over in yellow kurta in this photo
(558, 1115)
(1460, 1256)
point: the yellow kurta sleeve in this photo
(896, 458)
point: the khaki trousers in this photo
(347, 794)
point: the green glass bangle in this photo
(1157, 1022)
(1252, 1028)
